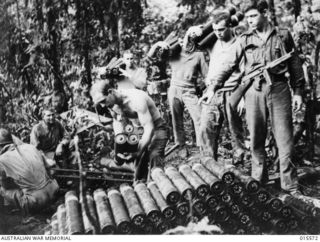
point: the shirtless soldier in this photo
(137, 106)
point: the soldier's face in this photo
(48, 117)
(128, 59)
(255, 19)
(220, 29)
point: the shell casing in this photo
(216, 185)
(180, 182)
(149, 205)
(167, 210)
(106, 220)
(132, 203)
(197, 183)
(119, 211)
(167, 189)
(73, 213)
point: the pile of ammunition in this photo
(229, 198)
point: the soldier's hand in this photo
(297, 103)
(163, 45)
(194, 31)
(206, 97)
(59, 150)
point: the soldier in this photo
(139, 108)
(185, 68)
(24, 181)
(262, 44)
(214, 113)
(49, 135)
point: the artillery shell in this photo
(237, 188)
(235, 209)
(88, 226)
(286, 212)
(119, 211)
(226, 198)
(105, 216)
(199, 185)
(300, 204)
(183, 209)
(279, 225)
(167, 211)
(250, 183)
(292, 224)
(216, 185)
(162, 226)
(120, 146)
(231, 225)
(244, 218)
(133, 142)
(149, 205)
(221, 213)
(275, 204)
(62, 219)
(148, 228)
(305, 219)
(180, 182)
(167, 189)
(212, 201)
(128, 128)
(54, 225)
(219, 171)
(262, 196)
(134, 208)
(73, 213)
(246, 200)
(199, 206)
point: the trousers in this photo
(154, 154)
(274, 102)
(31, 201)
(178, 98)
(212, 118)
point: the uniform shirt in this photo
(256, 51)
(218, 53)
(47, 138)
(26, 167)
(186, 67)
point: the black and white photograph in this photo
(159, 117)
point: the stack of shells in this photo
(229, 198)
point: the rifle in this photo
(261, 72)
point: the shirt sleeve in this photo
(203, 65)
(297, 80)
(34, 137)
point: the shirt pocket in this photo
(252, 54)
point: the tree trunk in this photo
(273, 13)
(120, 32)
